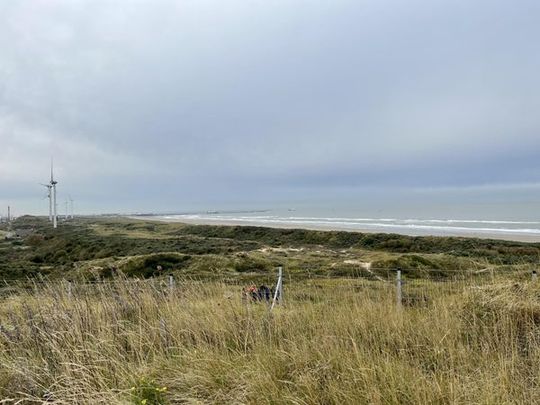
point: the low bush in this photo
(147, 266)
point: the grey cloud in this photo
(230, 100)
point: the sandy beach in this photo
(529, 238)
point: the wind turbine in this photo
(71, 201)
(49, 196)
(55, 207)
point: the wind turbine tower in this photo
(71, 201)
(55, 207)
(49, 196)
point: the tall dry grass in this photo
(335, 342)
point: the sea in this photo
(511, 224)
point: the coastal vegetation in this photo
(88, 315)
(97, 247)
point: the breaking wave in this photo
(439, 226)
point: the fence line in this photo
(435, 275)
(421, 271)
(408, 289)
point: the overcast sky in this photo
(199, 104)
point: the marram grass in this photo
(339, 342)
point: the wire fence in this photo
(407, 287)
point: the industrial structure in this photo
(53, 204)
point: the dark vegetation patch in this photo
(155, 265)
(495, 251)
(77, 241)
(208, 251)
(244, 263)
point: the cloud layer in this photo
(179, 104)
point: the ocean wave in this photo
(359, 220)
(434, 225)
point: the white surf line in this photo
(530, 231)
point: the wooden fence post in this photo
(171, 282)
(534, 275)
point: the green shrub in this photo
(147, 392)
(245, 263)
(146, 266)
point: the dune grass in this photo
(332, 342)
